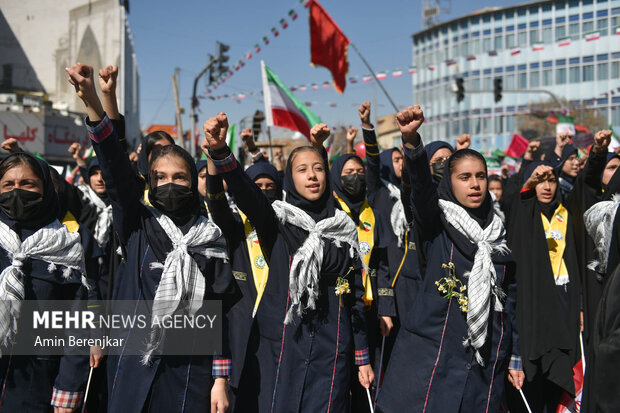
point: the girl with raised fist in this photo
(453, 348)
(311, 318)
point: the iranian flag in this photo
(515, 51)
(367, 78)
(397, 73)
(413, 70)
(618, 30)
(282, 108)
(538, 47)
(564, 42)
(381, 75)
(593, 36)
(565, 124)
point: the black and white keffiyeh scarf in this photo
(181, 279)
(53, 244)
(103, 226)
(306, 263)
(481, 279)
(599, 222)
(398, 219)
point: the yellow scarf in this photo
(260, 268)
(366, 238)
(555, 232)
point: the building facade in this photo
(41, 38)
(570, 48)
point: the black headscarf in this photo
(318, 210)
(613, 186)
(434, 146)
(184, 219)
(547, 209)
(267, 169)
(483, 215)
(94, 163)
(148, 144)
(49, 210)
(386, 170)
(355, 205)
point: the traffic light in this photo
(460, 89)
(497, 89)
(222, 58)
(257, 121)
(212, 77)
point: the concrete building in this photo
(41, 38)
(569, 47)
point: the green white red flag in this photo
(282, 108)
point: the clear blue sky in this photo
(169, 34)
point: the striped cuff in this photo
(100, 131)
(221, 368)
(362, 357)
(225, 165)
(67, 399)
(515, 363)
(414, 153)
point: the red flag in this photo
(517, 147)
(567, 403)
(328, 45)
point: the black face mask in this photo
(354, 185)
(171, 197)
(272, 194)
(21, 205)
(438, 168)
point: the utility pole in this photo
(175, 88)
(221, 69)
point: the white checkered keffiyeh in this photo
(181, 279)
(103, 225)
(482, 279)
(53, 244)
(599, 222)
(398, 219)
(306, 263)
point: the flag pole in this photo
(374, 75)
(270, 144)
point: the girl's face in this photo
(21, 176)
(397, 163)
(353, 166)
(610, 169)
(309, 175)
(572, 166)
(469, 181)
(97, 182)
(202, 182)
(545, 191)
(170, 169)
(264, 183)
(495, 186)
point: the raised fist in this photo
(107, 79)
(81, 77)
(463, 141)
(351, 134)
(11, 145)
(602, 139)
(409, 121)
(562, 139)
(75, 150)
(215, 132)
(540, 174)
(318, 134)
(364, 112)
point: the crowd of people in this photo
(408, 281)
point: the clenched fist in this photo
(318, 134)
(409, 121)
(107, 79)
(602, 139)
(215, 130)
(351, 134)
(11, 145)
(81, 77)
(532, 147)
(540, 174)
(364, 112)
(75, 150)
(463, 141)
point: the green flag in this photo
(231, 138)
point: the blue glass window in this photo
(487, 31)
(534, 24)
(498, 30)
(522, 26)
(548, 63)
(510, 69)
(475, 34)
(510, 28)
(602, 57)
(573, 60)
(534, 65)
(547, 22)
(602, 13)
(499, 70)
(487, 71)
(560, 62)
(588, 59)
(573, 18)
(587, 16)
(560, 20)
(522, 67)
